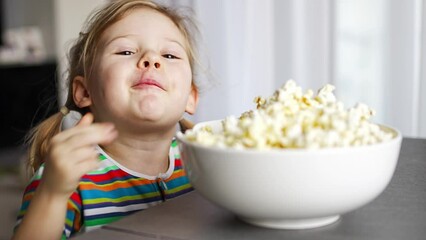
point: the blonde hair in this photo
(82, 56)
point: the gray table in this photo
(398, 213)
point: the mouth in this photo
(147, 83)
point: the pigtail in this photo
(38, 140)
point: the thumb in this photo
(86, 120)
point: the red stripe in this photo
(32, 186)
(76, 198)
(178, 162)
(104, 176)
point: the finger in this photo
(82, 161)
(82, 154)
(95, 134)
(87, 165)
(94, 128)
(61, 159)
(86, 120)
(87, 137)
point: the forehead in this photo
(144, 22)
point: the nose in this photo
(155, 64)
(149, 60)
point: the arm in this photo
(70, 156)
(45, 217)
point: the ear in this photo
(80, 93)
(192, 102)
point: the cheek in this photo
(183, 86)
(184, 81)
(104, 84)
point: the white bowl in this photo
(290, 188)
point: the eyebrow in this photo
(126, 36)
(177, 42)
(115, 38)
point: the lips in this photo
(147, 83)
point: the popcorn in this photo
(293, 119)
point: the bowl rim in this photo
(397, 137)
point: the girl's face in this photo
(142, 73)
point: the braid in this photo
(38, 140)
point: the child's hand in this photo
(72, 154)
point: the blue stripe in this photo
(177, 182)
(112, 214)
(25, 205)
(176, 194)
(119, 192)
(178, 167)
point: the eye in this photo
(170, 56)
(125, 53)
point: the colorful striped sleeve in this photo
(73, 221)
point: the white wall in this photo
(303, 44)
(422, 75)
(402, 66)
(237, 50)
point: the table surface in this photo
(398, 213)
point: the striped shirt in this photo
(113, 191)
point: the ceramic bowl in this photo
(290, 188)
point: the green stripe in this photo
(69, 222)
(121, 199)
(103, 170)
(101, 221)
(102, 157)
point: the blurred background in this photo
(373, 51)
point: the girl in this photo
(131, 76)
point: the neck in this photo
(144, 154)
